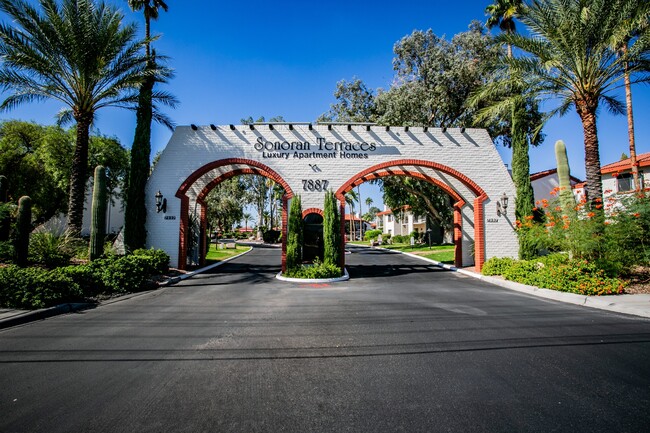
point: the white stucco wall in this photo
(471, 153)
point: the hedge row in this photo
(556, 272)
(39, 288)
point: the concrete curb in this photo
(32, 316)
(345, 277)
(639, 305)
(175, 280)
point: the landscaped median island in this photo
(324, 265)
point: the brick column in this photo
(285, 230)
(458, 235)
(479, 232)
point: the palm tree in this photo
(503, 13)
(631, 35)
(79, 54)
(570, 60)
(135, 209)
(150, 8)
(247, 217)
(350, 197)
(369, 202)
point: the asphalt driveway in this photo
(402, 346)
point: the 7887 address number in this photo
(315, 184)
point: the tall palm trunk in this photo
(630, 126)
(360, 212)
(587, 113)
(79, 174)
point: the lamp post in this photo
(429, 236)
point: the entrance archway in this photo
(309, 159)
(430, 172)
(198, 185)
(312, 235)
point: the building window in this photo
(624, 182)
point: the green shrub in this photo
(557, 272)
(318, 270)
(371, 235)
(88, 277)
(497, 265)
(53, 250)
(401, 239)
(125, 274)
(6, 252)
(271, 236)
(36, 287)
(159, 259)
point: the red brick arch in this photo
(254, 167)
(312, 210)
(396, 168)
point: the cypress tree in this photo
(135, 213)
(98, 214)
(331, 230)
(525, 200)
(294, 234)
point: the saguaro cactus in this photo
(98, 215)
(23, 229)
(5, 216)
(564, 176)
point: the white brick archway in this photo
(307, 159)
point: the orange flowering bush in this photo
(612, 240)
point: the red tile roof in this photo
(541, 174)
(349, 217)
(642, 160)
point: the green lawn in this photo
(215, 255)
(440, 253)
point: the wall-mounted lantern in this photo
(502, 205)
(161, 203)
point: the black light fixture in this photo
(444, 129)
(270, 127)
(425, 129)
(194, 127)
(367, 127)
(387, 128)
(406, 129)
(502, 205)
(349, 127)
(311, 127)
(251, 126)
(329, 127)
(290, 127)
(214, 128)
(161, 203)
(462, 130)
(232, 127)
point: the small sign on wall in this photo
(170, 217)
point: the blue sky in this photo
(258, 58)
